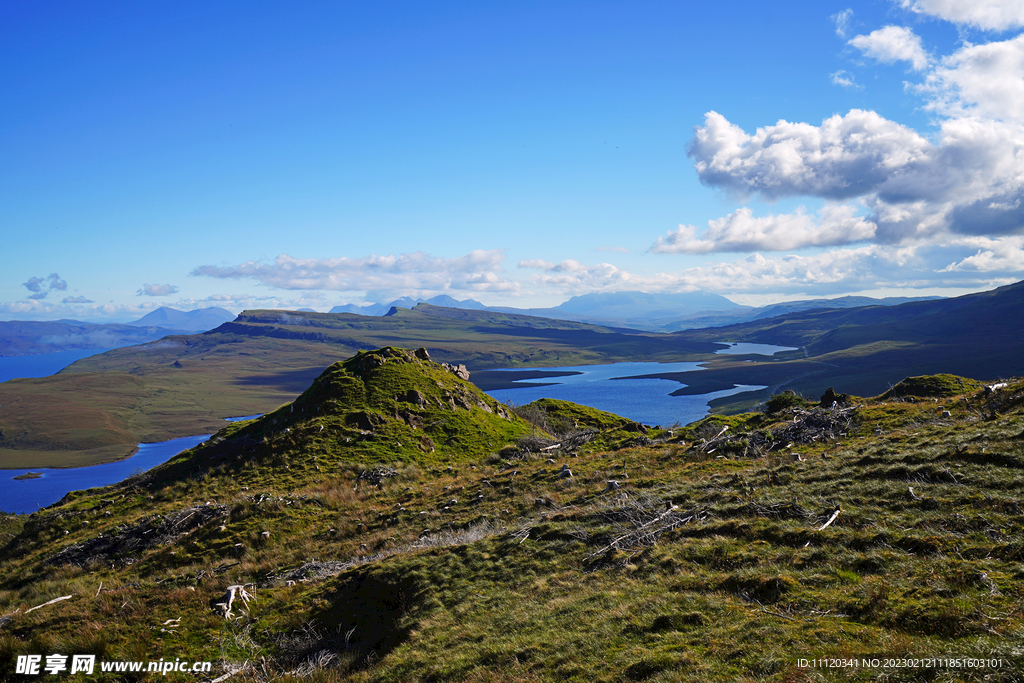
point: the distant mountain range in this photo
(30, 338)
(643, 311)
(199, 320)
(409, 302)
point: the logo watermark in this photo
(38, 665)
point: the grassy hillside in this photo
(183, 385)
(186, 385)
(866, 350)
(727, 550)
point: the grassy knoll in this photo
(99, 408)
(725, 550)
(185, 385)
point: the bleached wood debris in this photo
(235, 591)
(831, 519)
(64, 597)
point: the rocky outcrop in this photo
(459, 370)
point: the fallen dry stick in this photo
(831, 519)
(65, 597)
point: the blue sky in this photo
(257, 155)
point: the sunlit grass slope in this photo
(553, 543)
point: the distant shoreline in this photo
(493, 380)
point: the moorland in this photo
(99, 408)
(393, 523)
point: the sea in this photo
(611, 387)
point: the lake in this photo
(616, 389)
(744, 348)
(612, 387)
(28, 495)
(42, 365)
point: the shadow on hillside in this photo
(374, 611)
(292, 381)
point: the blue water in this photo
(602, 386)
(743, 348)
(28, 495)
(645, 400)
(42, 365)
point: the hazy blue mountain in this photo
(643, 311)
(841, 302)
(31, 338)
(199, 320)
(409, 302)
(637, 304)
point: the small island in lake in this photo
(29, 475)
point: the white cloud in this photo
(942, 210)
(847, 156)
(742, 231)
(831, 272)
(157, 290)
(412, 274)
(575, 277)
(999, 255)
(893, 44)
(997, 15)
(842, 21)
(970, 181)
(845, 79)
(980, 81)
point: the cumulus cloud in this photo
(742, 231)
(967, 181)
(833, 271)
(943, 209)
(993, 255)
(996, 15)
(42, 286)
(157, 290)
(76, 300)
(845, 157)
(573, 276)
(893, 44)
(413, 274)
(980, 81)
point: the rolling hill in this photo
(99, 408)
(328, 541)
(867, 349)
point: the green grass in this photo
(464, 565)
